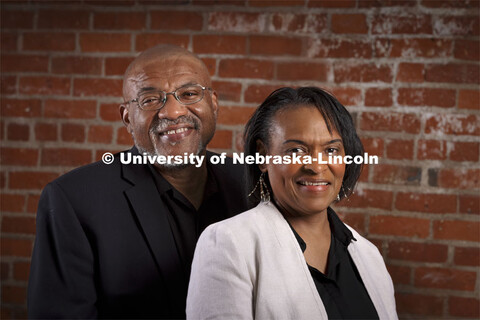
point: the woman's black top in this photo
(341, 288)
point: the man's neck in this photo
(189, 181)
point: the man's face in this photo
(175, 129)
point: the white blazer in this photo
(251, 267)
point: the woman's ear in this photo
(262, 150)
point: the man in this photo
(117, 241)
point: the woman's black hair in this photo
(336, 118)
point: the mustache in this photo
(161, 124)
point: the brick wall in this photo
(407, 70)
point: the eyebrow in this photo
(302, 142)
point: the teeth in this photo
(176, 131)
(307, 183)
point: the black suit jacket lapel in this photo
(153, 221)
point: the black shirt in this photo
(186, 222)
(341, 289)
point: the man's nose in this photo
(172, 108)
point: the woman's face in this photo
(303, 189)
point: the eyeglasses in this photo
(155, 100)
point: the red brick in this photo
(32, 203)
(234, 115)
(378, 97)
(396, 24)
(396, 175)
(211, 64)
(456, 230)
(362, 73)
(3, 179)
(394, 122)
(445, 278)
(453, 73)
(70, 109)
(16, 19)
(221, 140)
(104, 3)
(4, 272)
(77, 65)
(21, 271)
(469, 204)
(347, 96)
(469, 99)
(368, 198)
(123, 137)
(20, 108)
(421, 252)
(49, 41)
(431, 150)
(399, 274)
(410, 72)
(119, 20)
(18, 225)
(148, 40)
(467, 256)
(258, 93)
(424, 48)
(176, 20)
(24, 63)
(44, 85)
(241, 3)
(65, 157)
(349, 23)
(18, 156)
(220, 44)
(464, 151)
(399, 226)
(8, 84)
(97, 87)
(445, 98)
(73, 132)
(18, 132)
(337, 48)
(456, 124)
(332, 4)
(12, 202)
(467, 49)
(356, 221)
(419, 304)
(109, 112)
(373, 146)
(450, 3)
(245, 68)
(400, 149)
(16, 247)
(299, 23)
(302, 71)
(278, 46)
(276, 3)
(385, 3)
(105, 42)
(464, 307)
(9, 41)
(100, 134)
(456, 25)
(430, 203)
(61, 20)
(116, 66)
(236, 21)
(14, 294)
(459, 178)
(227, 91)
(30, 180)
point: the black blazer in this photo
(104, 247)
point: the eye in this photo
(189, 94)
(332, 150)
(296, 150)
(149, 101)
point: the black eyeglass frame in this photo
(173, 93)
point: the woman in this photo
(291, 257)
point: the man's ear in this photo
(262, 150)
(125, 116)
(215, 103)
